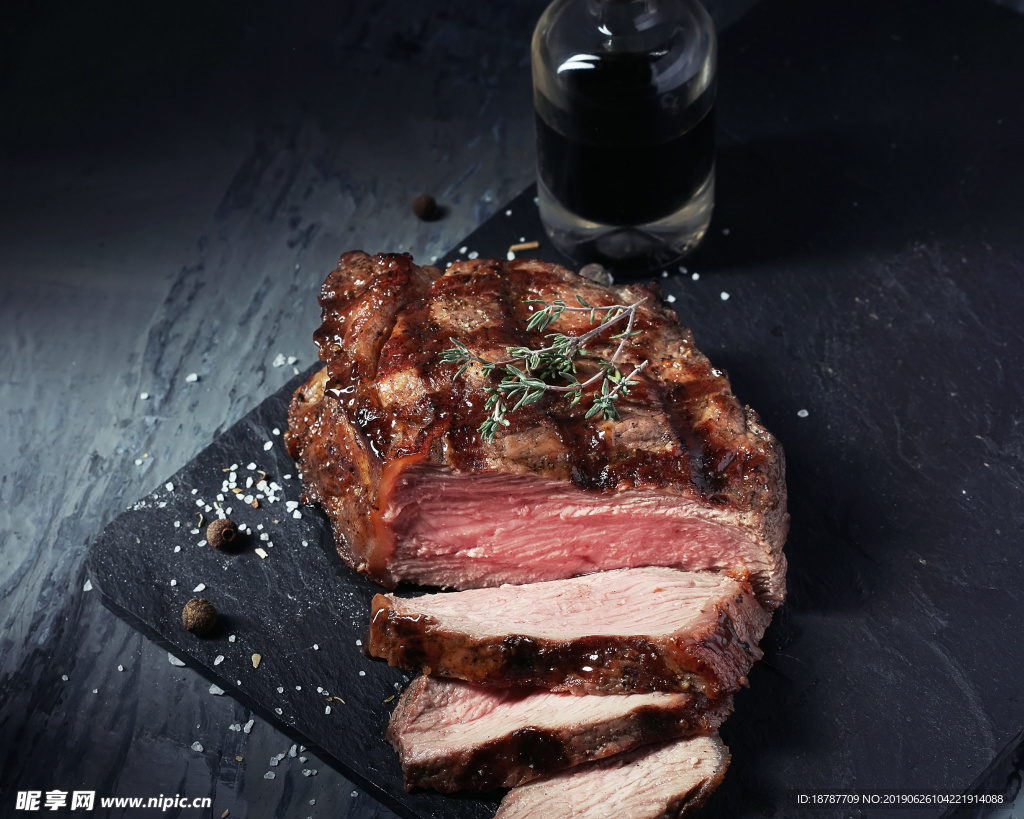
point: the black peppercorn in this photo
(222, 533)
(425, 207)
(199, 616)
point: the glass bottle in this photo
(624, 95)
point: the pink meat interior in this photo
(465, 715)
(620, 603)
(488, 528)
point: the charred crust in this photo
(711, 662)
(528, 752)
(385, 318)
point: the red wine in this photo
(625, 182)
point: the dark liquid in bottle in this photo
(617, 151)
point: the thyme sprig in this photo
(527, 374)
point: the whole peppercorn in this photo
(425, 207)
(222, 533)
(199, 616)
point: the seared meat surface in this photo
(389, 445)
(452, 735)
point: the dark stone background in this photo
(175, 182)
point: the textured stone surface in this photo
(176, 184)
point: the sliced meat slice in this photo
(623, 631)
(452, 735)
(660, 782)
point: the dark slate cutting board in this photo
(300, 608)
(863, 286)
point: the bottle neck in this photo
(629, 25)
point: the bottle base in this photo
(634, 248)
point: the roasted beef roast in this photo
(620, 631)
(659, 782)
(452, 735)
(389, 444)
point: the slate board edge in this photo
(524, 217)
(180, 650)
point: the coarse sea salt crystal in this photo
(87, 586)
(248, 726)
(191, 378)
(670, 298)
(802, 413)
(297, 514)
(218, 659)
(251, 467)
(216, 690)
(120, 668)
(725, 296)
(232, 638)
(695, 277)
(144, 396)
(199, 588)
(174, 660)
(198, 748)
(270, 775)
(169, 486)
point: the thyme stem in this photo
(526, 373)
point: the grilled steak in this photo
(621, 631)
(389, 445)
(452, 735)
(661, 782)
